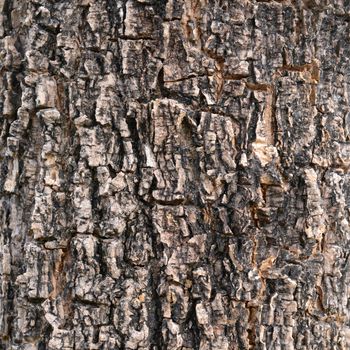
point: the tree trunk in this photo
(174, 174)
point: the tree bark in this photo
(174, 174)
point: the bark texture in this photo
(174, 174)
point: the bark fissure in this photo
(174, 174)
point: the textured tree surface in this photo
(174, 174)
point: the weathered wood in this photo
(174, 174)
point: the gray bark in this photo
(174, 174)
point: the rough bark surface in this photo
(174, 174)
